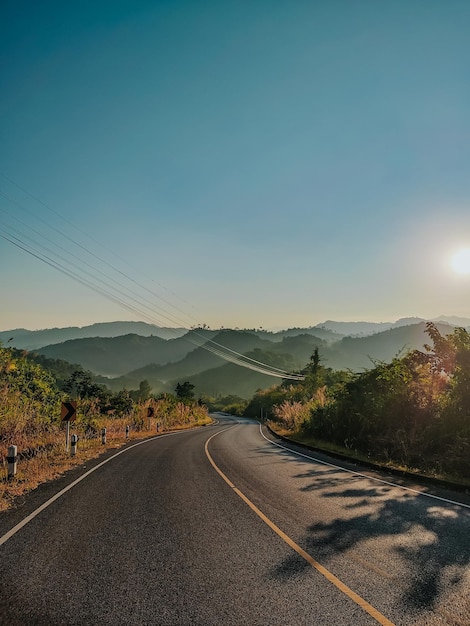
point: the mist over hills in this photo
(33, 339)
(359, 353)
(124, 360)
(114, 356)
(370, 328)
(203, 368)
(232, 379)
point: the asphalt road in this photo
(221, 526)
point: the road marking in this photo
(368, 608)
(379, 480)
(43, 506)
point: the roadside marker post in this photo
(12, 459)
(73, 445)
(103, 436)
(68, 413)
(127, 431)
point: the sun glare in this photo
(461, 261)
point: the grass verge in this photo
(45, 459)
(459, 482)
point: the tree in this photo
(142, 393)
(121, 402)
(313, 374)
(185, 391)
(79, 385)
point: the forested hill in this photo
(209, 371)
(166, 360)
(114, 356)
(34, 339)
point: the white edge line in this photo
(379, 480)
(43, 506)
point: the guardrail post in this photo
(12, 459)
(73, 445)
(103, 436)
(127, 431)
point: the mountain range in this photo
(370, 328)
(34, 339)
(165, 357)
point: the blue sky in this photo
(252, 163)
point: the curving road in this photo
(220, 526)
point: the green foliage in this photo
(142, 393)
(227, 404)
(414, 410)
(29, 398)
(185, 391)
(59, 369)
(313, 390)
(19, 374)
(80, 386)
(121, 403)
(264, 401)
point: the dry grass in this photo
(47, 459)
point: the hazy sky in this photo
(254, 163)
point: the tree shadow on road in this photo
(428, 537)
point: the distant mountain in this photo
(196, 360)
(234, 380)
(301, 347)
(114, 356)
(357, 329)
(357, 353)
(317, 332)
(462, 322)
(208, 371)
(353, 328)
(354, 353)
(34, 339)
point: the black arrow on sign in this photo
(68, 411)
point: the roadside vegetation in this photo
(31, 395)
(412, 413)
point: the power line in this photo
(83, 248)
(263, 368)
(120, 297)
(99, 244)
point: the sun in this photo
(461, 261)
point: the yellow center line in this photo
(368, 608)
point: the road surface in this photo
(221, 526)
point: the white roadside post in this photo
(103, 436)
(67, 435)
(12, 459)
(73, 445)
